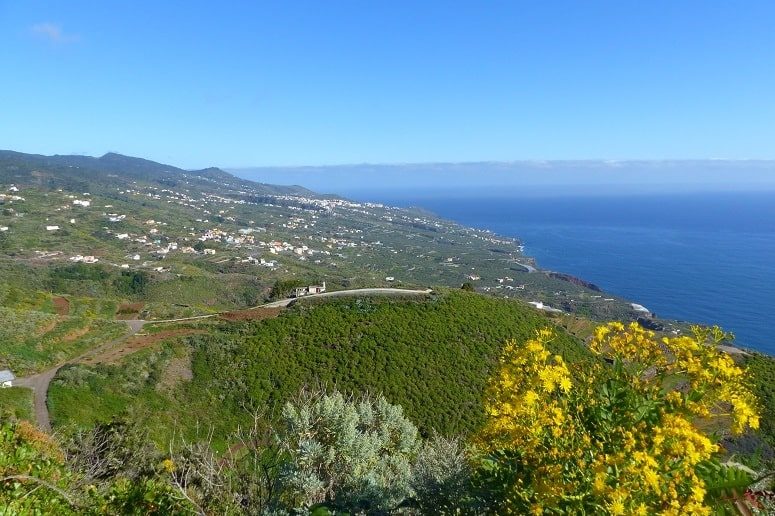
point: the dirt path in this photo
(39, 383)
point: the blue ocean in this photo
(706, 257)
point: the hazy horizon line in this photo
(496, 161)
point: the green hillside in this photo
(432, 357)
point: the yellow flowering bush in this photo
(608, 436)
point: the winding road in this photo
(39, 383)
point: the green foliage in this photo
(761, 369)
(284, 288)
(15, 404)
(442, 476)
(33, 340)
(726, 486)
(33, 478)
(348, 454)
(431, 357)
(147, 496)
(118, 448)
(132, 283)
(609, 438)
(81, 396)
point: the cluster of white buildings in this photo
(78, 258)
(12, 195)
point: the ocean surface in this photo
(706, 258)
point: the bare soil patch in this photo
(61, 305)
(48, 327)
(178, 370)
(254, 314)
(134, 344)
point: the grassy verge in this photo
(16, 403)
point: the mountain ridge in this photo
(24, 168)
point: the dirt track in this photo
(39, 383)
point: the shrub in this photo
(609, 438)
(441, 476)
(345, 453)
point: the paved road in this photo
(39, 383)
(353, 292)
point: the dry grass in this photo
(134, 344)
(254, 314)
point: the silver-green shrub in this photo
(350, 454)
(441, 476)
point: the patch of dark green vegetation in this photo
(431, 357)
(761, 369)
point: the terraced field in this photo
(33, 340)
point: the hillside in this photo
(128, 231)
(433, 357)
(84, 173)
(100, 258)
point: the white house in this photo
(52, 228)
(6, 378)
(312, 289)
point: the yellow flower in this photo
(635, 465)
(698, 493)
(531, 398)
(565, 384)
(168, 465)
(617, 507)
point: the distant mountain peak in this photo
(112, 170)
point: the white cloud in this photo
(53, 33)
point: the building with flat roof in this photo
(311, 289)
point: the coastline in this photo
(680, 287)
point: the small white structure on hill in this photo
(640, 308)
(546, 308)
(6, 378)
(312, 289)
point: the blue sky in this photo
(290, 83)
